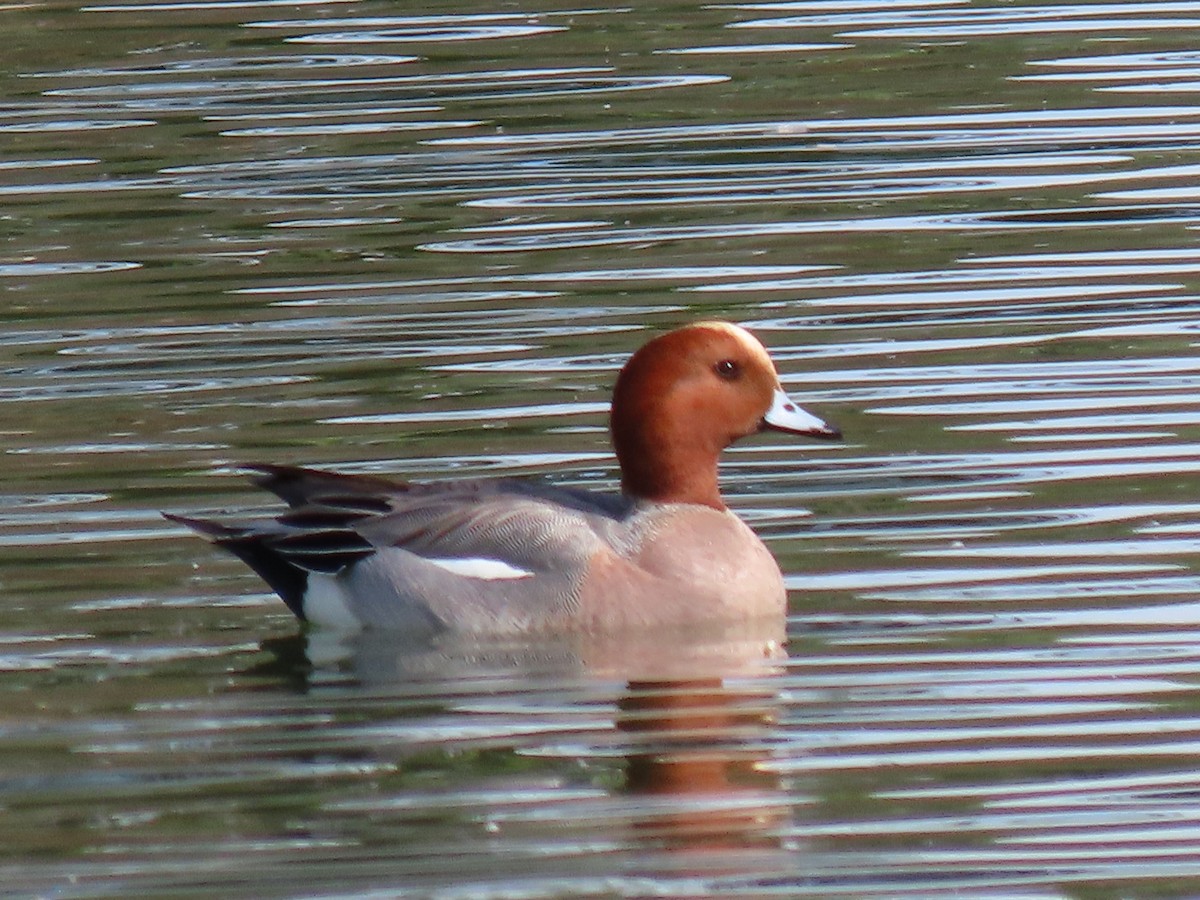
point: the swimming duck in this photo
(508, 556)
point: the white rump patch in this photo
(325, 603)
(479, 567)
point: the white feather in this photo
(479, 567)
(326, 603)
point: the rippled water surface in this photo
(344, 234)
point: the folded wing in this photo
(461, 554)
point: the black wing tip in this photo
(276, 478)
(300, 485)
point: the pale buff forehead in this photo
(745, 339)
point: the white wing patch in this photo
(479, 567)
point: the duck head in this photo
(687, 395)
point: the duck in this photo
(510, 556)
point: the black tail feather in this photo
(285, 579)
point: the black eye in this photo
(728, 369)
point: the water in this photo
(340, 234)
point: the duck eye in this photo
(728, 369)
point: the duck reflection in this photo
(695, 753)
(695, 718)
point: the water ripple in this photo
(415, 33)
(966, 254)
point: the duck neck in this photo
(665, 471)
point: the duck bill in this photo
(785, 415)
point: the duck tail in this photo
(281, 575)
